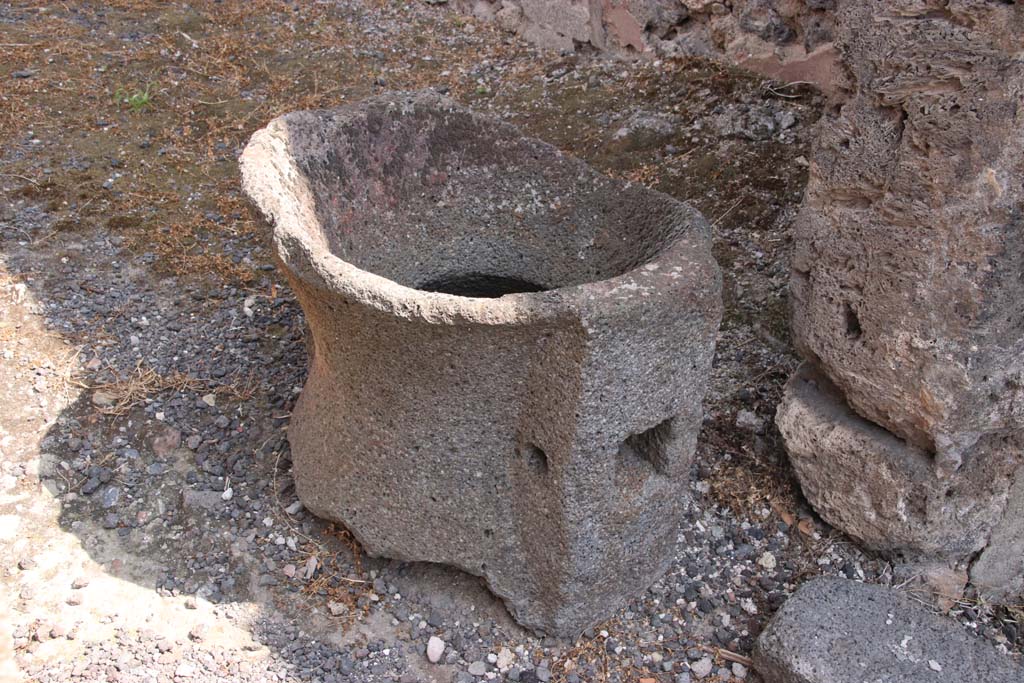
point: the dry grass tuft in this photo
(747, 483)
(332, 582)
(144, 382)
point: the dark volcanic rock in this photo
(508, 350)
(839, 631)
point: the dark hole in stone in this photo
(651, 445)
(479, 285)
(853, 330)
(536, 459)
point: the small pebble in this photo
(435, 648)
(702, 667)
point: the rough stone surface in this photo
(887, 493)
(541, 439)
(790, 40)
(840, 631)
(909, 247)
(907, 294)
(999, 569)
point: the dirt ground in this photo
(150, 354)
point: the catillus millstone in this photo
(508, 350)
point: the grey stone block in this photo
(508, 350)
(840, 631)
(889, 494)
(998, 570)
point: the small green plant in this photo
(136, 101)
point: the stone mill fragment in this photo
(508, 350)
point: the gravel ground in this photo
(150, 356)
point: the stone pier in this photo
(906, 423)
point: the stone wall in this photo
(906, 426)
(786, 39)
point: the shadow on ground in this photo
(178, 481)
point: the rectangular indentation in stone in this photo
(650, 445)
